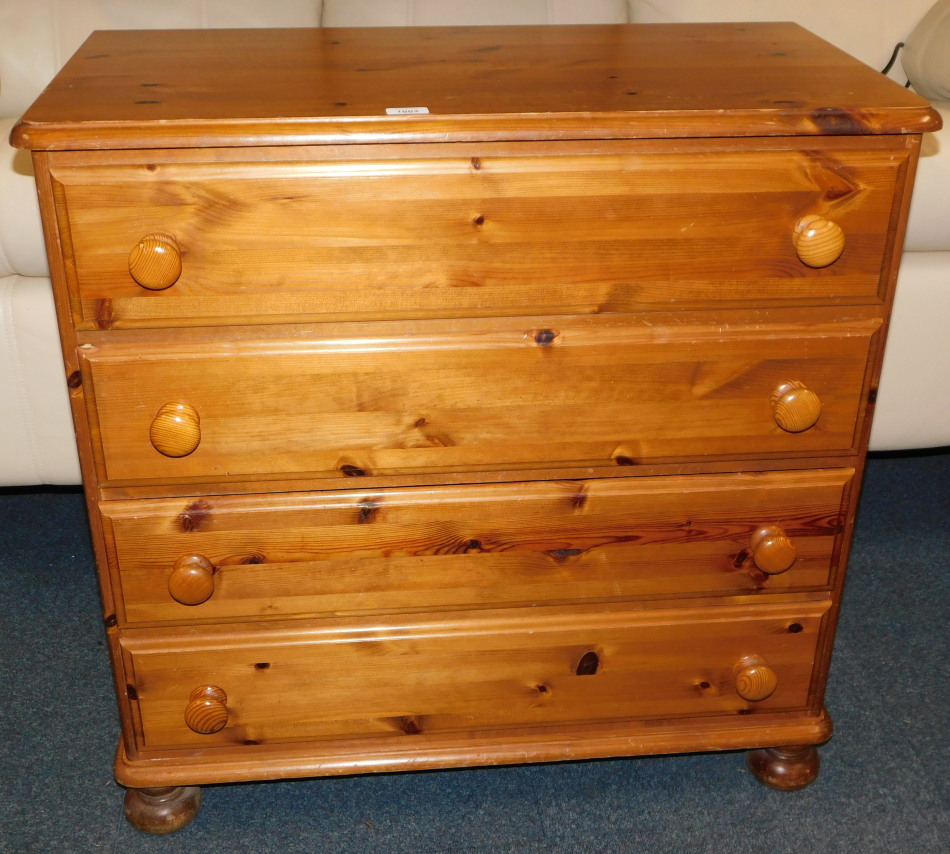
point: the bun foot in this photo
(784, 768)
(162, 810)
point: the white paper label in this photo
(407, 111)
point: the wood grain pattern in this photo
(155, 262)
(755, 680)
(191, 580)
(773, 551)
(428, 549)
(190, 88)
(401, 679)
(175, 431)
(207, 711)
(491, 466)
(818, 241)
(604, 395)
(477, 235)
(278, 761)
(795, 407)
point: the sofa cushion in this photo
(395, 13)
(926, 56)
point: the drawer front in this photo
(545, 400)
(409, 236)
(392, 679)
(430, 548)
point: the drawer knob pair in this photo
(818, 242)
(155, 262)
(207, 710)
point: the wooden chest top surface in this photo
(184, 88)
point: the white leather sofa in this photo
(37, 36)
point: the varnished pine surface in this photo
(429, 549)
(401, 678)
(445, 232)
(339, 640)
(242, 763)
(197, 88)
(593, 394)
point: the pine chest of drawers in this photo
(469, 396)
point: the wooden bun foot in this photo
(784, 768)
(162, 810)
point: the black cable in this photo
(893, 59)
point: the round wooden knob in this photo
(772, 551)
(192, 580)
(155, 262)
(207, 709)
(795, 407)
(818, 241)
(755, 680)
(176, 430)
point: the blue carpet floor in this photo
(883, 786)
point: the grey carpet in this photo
(883, 786)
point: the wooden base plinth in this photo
(784, 768)
(162, 810)
(243, 764)
(166, 809)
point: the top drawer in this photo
(452, 231)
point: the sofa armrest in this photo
(21, 232)
(37, 444)
(927, 229)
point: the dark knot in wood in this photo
(588, 665)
